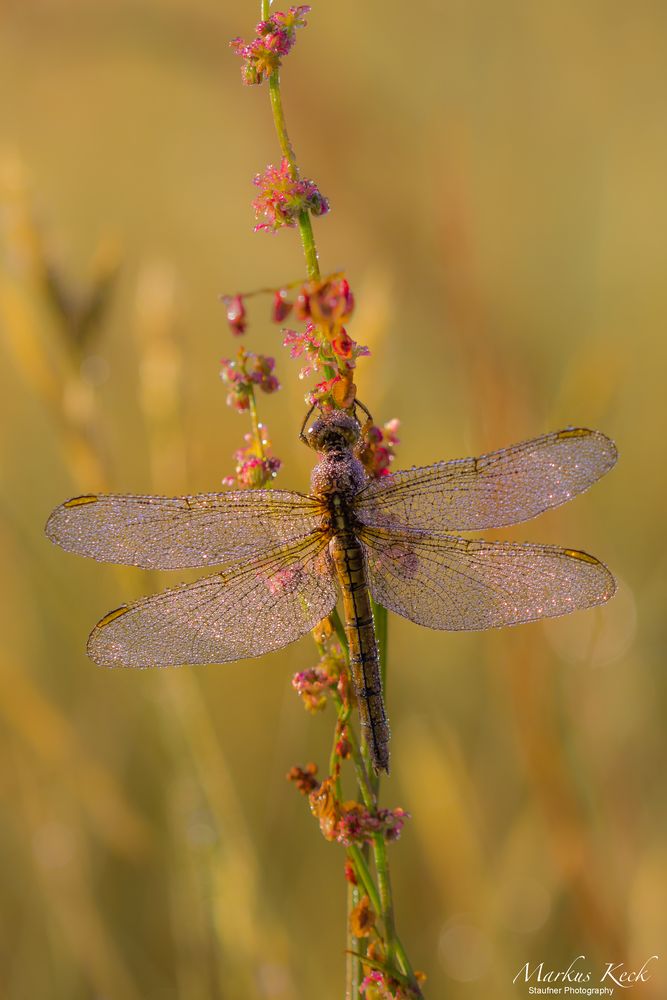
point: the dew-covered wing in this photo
(248, 609)
(176, 532)
(503, 487)
(453, 583)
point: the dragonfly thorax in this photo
(338, 471)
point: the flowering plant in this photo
(320, 307)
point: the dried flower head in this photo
(325, 808)
(327, 300)
(362, 918)
(305, 779)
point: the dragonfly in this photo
(284, 558)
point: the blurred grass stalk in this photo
(531, 691)
(50, 351)
(250, 937)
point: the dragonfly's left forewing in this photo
(457, 584)
(208, 529)
(248, 609)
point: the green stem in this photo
(355, 946)
(357, 858)
(339, 629)
(305, 225)
(256, 426)
(386, 897)
(365, 786)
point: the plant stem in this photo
(382, 900)
(354, 946)
(386, 898)
(256, 426)
(339, 629)
(305, 225)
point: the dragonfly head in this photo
(334, 431)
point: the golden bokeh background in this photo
(497, 177)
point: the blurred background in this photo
(497, 181)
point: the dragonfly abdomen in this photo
(348, 557)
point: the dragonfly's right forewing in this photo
(503, 487)
(208, 529)
(248, 609)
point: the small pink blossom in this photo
(282, 307)
(236, 315)
(308, 346)
(379, 448)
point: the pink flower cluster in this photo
(249, 372)
(283, 198)
(379, 448)
(374, 987)
(313, 686)
(325, 343)
(381, 986)
(317, 353)
(274, 39)
(358, 826)
(252, 470)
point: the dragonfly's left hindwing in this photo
(452, 583)
(246, 610)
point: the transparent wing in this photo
(176, 532)
(454, 583)
(501, 488)
(246, 610)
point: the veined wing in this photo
(246, 610)
(453, 583)
(175, 532)
(503, 487)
